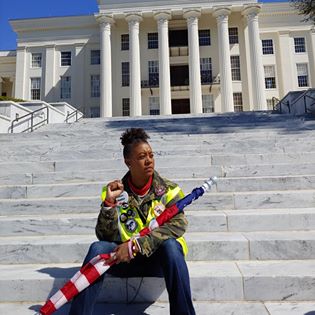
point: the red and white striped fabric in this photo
(81, 280)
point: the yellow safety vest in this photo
(130, 223)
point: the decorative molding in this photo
(221, 12)
(103, 19)
(133, 17)
(251, 9)
(192, 13)
(162, 15)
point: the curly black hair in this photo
(132, 136)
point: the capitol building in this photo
(158, 57)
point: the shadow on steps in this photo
(131, 288)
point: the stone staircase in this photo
(251, 240)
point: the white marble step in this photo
(159, 308)
(81, 153)
(245, 184)
(229, 165)
(210, 281)
(176, 142)
(112, 136)
(67, 224)
(199, 221)
(202, 246)
(210, 201)
(195, 123)
(185, 172)
(110, 139)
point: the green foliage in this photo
(305, 8)
(7, 98)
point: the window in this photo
(204, 38)
(95, 111)
(95, 85)
(124, 41)
(126, 107)
(36, 60)
(270, 77)
(238, 102)
(206, 70)
(233, 35)
(235, 68)
(95, 57)
(35, 88)
(153, 73)
(302, 74)
(66, 58)
(207, 103)
(153, 40)
(125, 78)
(65, 90)
(154, 105)
(267, 46)
(299, 44)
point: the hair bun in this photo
(133, 135)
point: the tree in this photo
(306, 8)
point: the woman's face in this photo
(141, 160)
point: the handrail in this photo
(274, 104)
(32, 119)
(304, 97)
(279, 104)
(74, 113)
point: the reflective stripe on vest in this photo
(104, 193)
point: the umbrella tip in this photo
(209, 183)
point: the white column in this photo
(1, 86)
(78, 76)
(134, 62)
(285, 63)
(258, 76)
(192, 17)
(164, 63)
(13, 86)
(20, 73)
(227, 104)
(50, 74)
(106, 107)
(311, 55)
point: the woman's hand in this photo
(122, 253)
(114, 189)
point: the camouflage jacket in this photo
(107, 222)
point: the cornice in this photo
(71, 22)
(177, 7)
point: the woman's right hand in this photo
(114, 189)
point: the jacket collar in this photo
(157, 190)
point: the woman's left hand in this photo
(122, 253)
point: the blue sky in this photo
(20, 9)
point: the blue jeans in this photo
(167, 261)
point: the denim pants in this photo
(168, 262)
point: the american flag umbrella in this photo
(98, 265)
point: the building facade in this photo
(152, 57)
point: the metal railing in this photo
(305, 96)
(275, 102)
(31, 128)
(75, 114)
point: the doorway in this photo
(181, 106)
